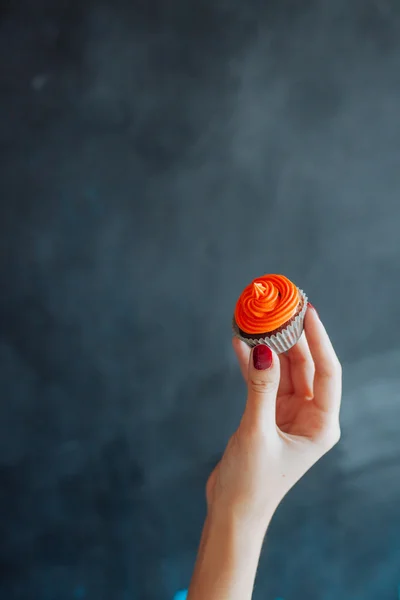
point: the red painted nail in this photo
(262, 357)
(313, 307)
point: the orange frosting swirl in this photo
(266, 304)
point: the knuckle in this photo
(262, 386)
(338, 367)
(258, 435)
(333, 371)
(301, 360)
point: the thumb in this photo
(263, 383)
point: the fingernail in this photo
(262, 357)
(313, 307)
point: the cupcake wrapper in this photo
(285, 339)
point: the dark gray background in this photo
(155, 157)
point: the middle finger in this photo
(302, 368)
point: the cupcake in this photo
(270, 311)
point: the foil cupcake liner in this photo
(283, 340)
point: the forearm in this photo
(227, 561)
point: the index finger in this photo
(328, 371)
(242, 352)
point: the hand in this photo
(290, 421)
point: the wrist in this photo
(232, 526)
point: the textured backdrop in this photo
(155, 156)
